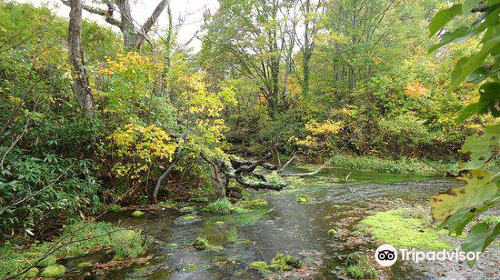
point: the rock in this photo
(137, 214)
(32, 273)
(54, 271)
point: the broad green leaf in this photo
(466, 66)
(481, 147)
(480, 236)
(457, 222)
(442, 17)
(468, 5)
(479, 75)
(466, 113)
(478, 190)
(461, 34)
(490, 95)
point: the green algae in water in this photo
(253, 203)
(303, 198)
(400, 229)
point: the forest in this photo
(281, 139)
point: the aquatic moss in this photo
(167, 204)
(54, 271)
(222, 206)
(287, 262)
(332, 231)
(398, 228)
(115, 208)
(128, 244)
(260, 265)
(279, 263)
(32, 273)
(303, 198)
(190, 267)
(137, 214)
(253, 203)
(84, 265)
(187, 209)
(201, 243)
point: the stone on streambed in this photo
(54, 271)
(187, 219)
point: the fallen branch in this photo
(243, 172)
(307, 173)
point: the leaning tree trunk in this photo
(81, 85)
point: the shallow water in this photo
(283, 226)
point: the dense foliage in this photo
(322, 79)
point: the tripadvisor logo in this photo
(386, 255)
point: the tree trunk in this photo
(307, 50)
(81, 85)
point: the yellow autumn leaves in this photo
(130, 61)
(320, 134)
(136, 148)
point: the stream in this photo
(285, 226)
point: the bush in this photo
(76, 190)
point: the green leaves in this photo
(461, 34)
(443, 17)
(480, 236)
(478, 190)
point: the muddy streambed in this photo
(285, 226)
